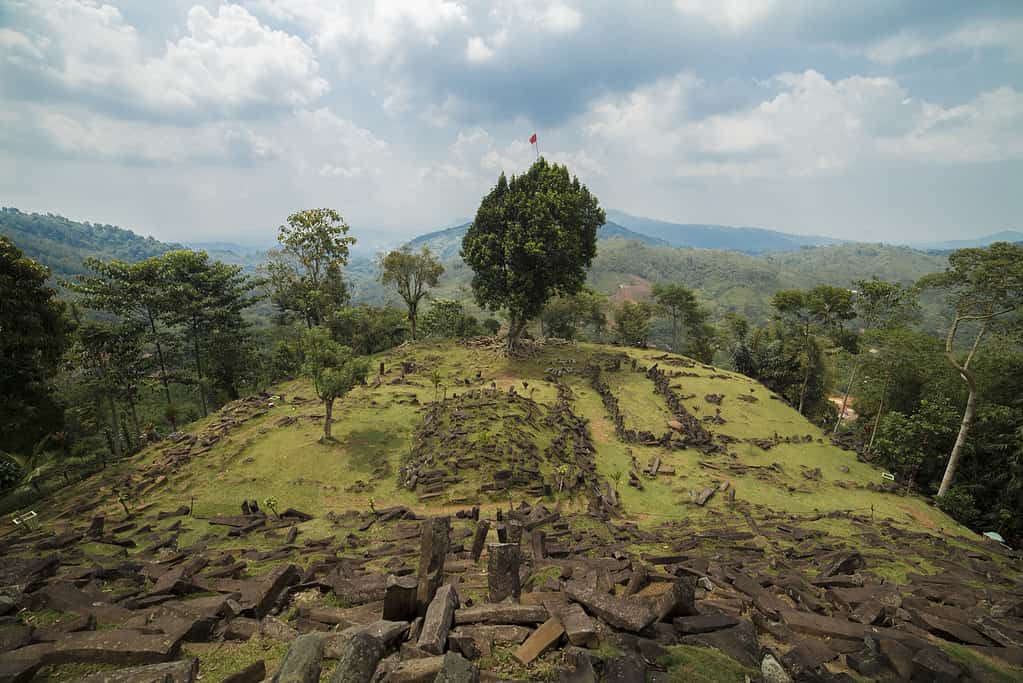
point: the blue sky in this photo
(191, 120)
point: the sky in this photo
(197, 120)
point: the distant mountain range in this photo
(746, 240)
(952, 245)
(447, 243)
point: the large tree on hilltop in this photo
(33, 335)
(305, 274)
(986, 288)
(533, 237)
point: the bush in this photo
(958, 503)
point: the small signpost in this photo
(888, 475)
(29, 519)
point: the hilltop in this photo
(641, 487)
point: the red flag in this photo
(532, 139)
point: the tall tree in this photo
(333, 369)
(879, 305)
(411, 275)
(533, 237)
(679, 303)
(564, 315)
(305, 274)
(985, 287)
(135, 292)
(824, 307)
(33, 335)
(207, 298)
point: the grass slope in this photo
(279, 454)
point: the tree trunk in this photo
(806, 375)
(413, 314)
(115, 442)
(134, 418)
(198, 367)
(328, 405)
(163, 364)
(845, 396)
(971, 400)
(515, 328)
(880, 409)
(964, 430)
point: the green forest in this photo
(131, 338)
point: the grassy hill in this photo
(744, 487)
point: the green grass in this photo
(989, 668)
(217, 661)
(694, 664)
(374, 430)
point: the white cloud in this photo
(910, 44)
(102, 138)
(380, 25)
(733, 15)
(560, 18)
(811, 126)
(476, 50)
(227, 64)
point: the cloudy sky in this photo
(202, 120)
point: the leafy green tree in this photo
(907, 443)
(533, 237)
(880, 306)
(412, 275)
(33, 336)
(985, 288)
(824, 308)
(632, 322)
(679, 304)
(305, 274)
(333, 369)
(207, 299)
(135, 292)
(447, 319)
(110, 360)
(368, 329)
(564, 315)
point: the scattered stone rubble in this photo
(433, 599)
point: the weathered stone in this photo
(489, 613)
(184, 671)
(773, 671)
(275, 629)
(626, 613)
(948, 629)
(479, 539)
(114, 646)
(253, 673)
(625, 670)
(433, 549)
(422, 670)
(807, 656)
(864, 663)
(302, 662)
(931, 665)
(13, 637)
(503, 571)
(358, 655)
(898, 656)
(457, 669)
(868, 612)
(437, 623)
(400, 598)
(547, 635)
(579, 627)
(703, 623)
(678, 601)
(738, 642)
(845, 562)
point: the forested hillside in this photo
(62, 244)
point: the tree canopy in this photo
(533, 237)
(411, 275)
(305, 274)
